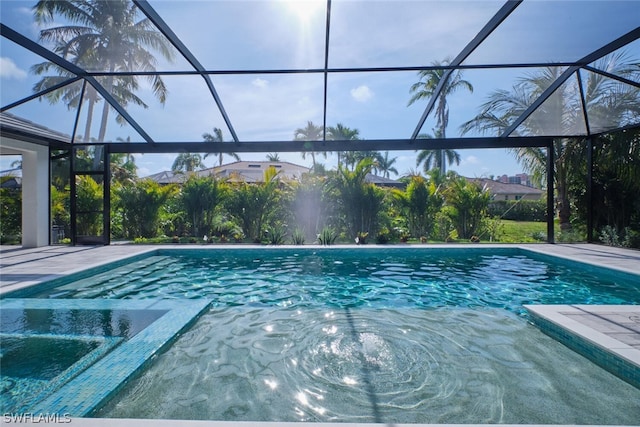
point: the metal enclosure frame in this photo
(505, 140)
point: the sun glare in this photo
(305, 10)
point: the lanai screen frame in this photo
(411, 143)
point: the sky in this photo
(277, 35)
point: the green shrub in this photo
(275, 234)
(518, 210)
(297, 237)
(327, 236)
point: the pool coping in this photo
(608, 335)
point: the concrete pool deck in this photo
(614, 328)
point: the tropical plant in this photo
(276, 234)
(140, 203)
(200, 196)
(98, 34)
(352, 158)
(437, 159)
(327, 236)
(384, 164)
(310, 132)
(253, 205)
(224, 228)
(10, 211)
(273, 157)
(89, 203)
(60, 211)
(218, 138)
(187, 162)
(359, 202)
(297, 237)
(607, 101)
(616, 183)
(340, 132)
(466, 205)
(123, 167)
(426, 87)
(419, 203)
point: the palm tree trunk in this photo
(564, 206)
(105, 114)
(562, 187)
(87, 126)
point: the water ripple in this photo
(390, 366)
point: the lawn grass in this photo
(522, 232)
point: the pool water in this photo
(366, 335)
(445, 365)
(377, 278)
(41, 357)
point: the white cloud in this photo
(362, 93)
(470, 160)
(261, 83)
(9, 70)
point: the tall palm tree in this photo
(105, 36)
(384, 164)
(436, 159)
(217, 137)
(187, 162)
(425, 88)
(352, 158)
(310, 132)
(341, 132)
(606, 100)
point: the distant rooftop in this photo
(501, 190)
(253, 172)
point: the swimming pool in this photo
(365, 335)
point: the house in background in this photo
(253, 172)
(519, 178)
(504, 191)
(11, 178)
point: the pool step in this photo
(108, 283)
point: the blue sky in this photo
(240, 35)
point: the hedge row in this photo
(519, 210)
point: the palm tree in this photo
(467, 205)
(200, 196)
(187, 162)
(123, 165)
(425, 88)
(217, 137)
(384, 164)
(352, 158)
(309, 133)
(255, 206)
(273, 157)
(420, 202)
(436, 159)
(358, 201)
(104, 36)
(605, 98)
(340, 132)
